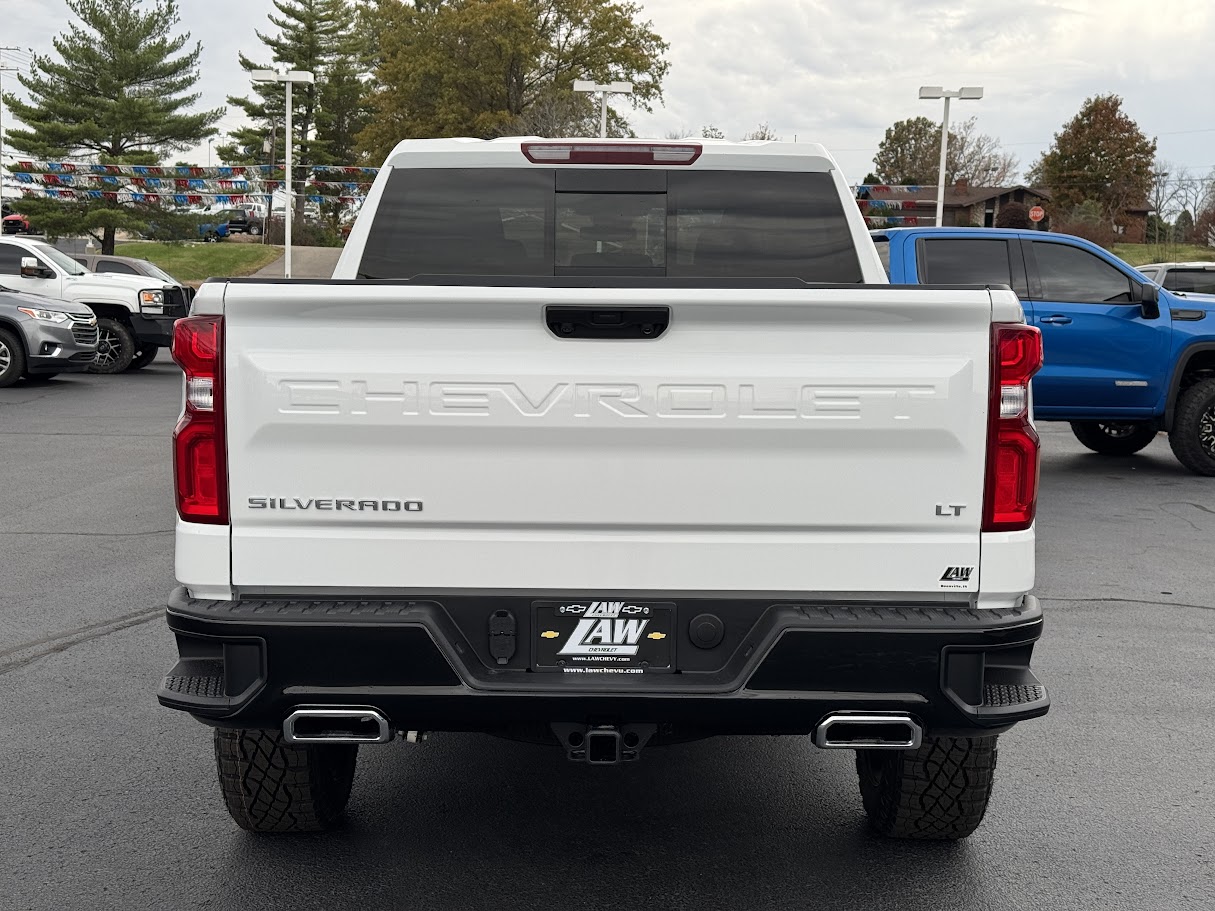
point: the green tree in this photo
(117, 90)
(315, 36)
(910, 153)
(488, 68)
(1101, 156)
(1183, 227)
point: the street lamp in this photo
(610, 88)
(931, 93)
(290, 78)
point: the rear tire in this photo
(115, 347)
(255, 230)
(936, 792)
(1116, 438)
(12, 358)
(1193, 435)
(270, 785)
(146, 355)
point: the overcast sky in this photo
(840, 71)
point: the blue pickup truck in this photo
(1125, 358)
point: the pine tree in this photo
(317, 36)
(118, 90)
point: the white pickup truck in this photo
(610, 444)
(135, 314)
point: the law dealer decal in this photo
(604, 634)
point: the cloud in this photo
(840, 71)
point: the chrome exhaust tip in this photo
(337, 725)
(872, 731)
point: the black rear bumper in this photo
(780, 666)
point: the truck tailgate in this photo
(396, 437)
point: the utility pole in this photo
(4, 68)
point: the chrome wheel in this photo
(1118, 430)
(109, 347)
(6, 357)
(1206, 430)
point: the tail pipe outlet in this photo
(870, 731)
(337, 725)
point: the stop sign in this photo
(1036, 214)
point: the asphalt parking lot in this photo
(109, 801)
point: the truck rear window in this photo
(551, 222)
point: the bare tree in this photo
(558, 116)
(978, 157)
(910, 154)
(763, 131)
(1162, 196)
(1193, 192)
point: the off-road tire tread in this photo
(1183, 438)
(1094, 438)
(936, 792)
(273, 786)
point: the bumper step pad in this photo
(1008, 694)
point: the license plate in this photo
(604, 637)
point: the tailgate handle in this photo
(607, 322)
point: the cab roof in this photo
(715, 154)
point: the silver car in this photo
(41, 337)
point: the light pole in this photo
(209, 141)
(290, 78)
(931, 93)
(610, 88)
(4, 68)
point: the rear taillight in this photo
(636, 153)
(200, 459)
(1011, 495)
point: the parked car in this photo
(241, 221)
(1187, 278)
(1125, 359)
(750, 489)
(41, 338)
(129, 265)
(135, 314)
(213, 232)
(17, 224)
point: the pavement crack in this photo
(17, 657)
(1188, 503)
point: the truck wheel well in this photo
(17, 333)
(1200, 366)
(112, 311)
